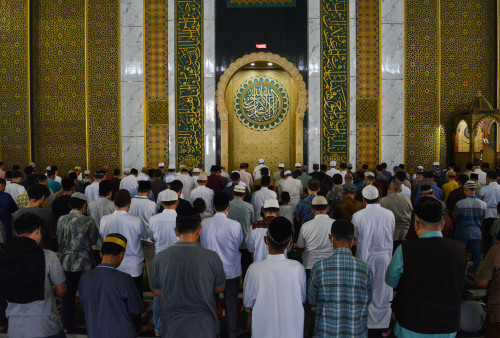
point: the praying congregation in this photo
(249, 168)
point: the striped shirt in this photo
(340, 287)
(469, 213)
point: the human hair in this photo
(429, 225)
(265, 181)
(384, 165)
(313, 185)
(72, 176)
(401, 176)
(271, 210)
(365, 167)
(371, 201)
(343, 166)
(285, 197)
(239, 194)
(264, 171)
(337, 179)
(187, 224)
(279, 233)
(498, 207)
(67, 184)
(113, 249)
(27, 223)
(214, 168)
(168, 203)
(323, 167)
(176, 186)
(105, 187)
(379, 167)
(184, 170)
(76, 203)
(2, 181)
(199, 205)
(320, 207)
(116, 172)
(42, 178)
(157, 173)
(144, 186)
(396, 185)
(342, 230)
(134, 171)
(242, 166)
(221, 202)
(51, 173)
(17, 174)
(402, 166)
(37, 191)
(122, 198)
(28, 170)
(491, 174)
(9, 174)
(485, 165)
(31, 179)
(468, 166)
(15, 167)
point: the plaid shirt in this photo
(340, 287)
(469, 213)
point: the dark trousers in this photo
(138, 284)
(474, 247)
(246, 260)
(485, 232)
(307, 311)
(3, 307)
(231, 301)
(68, 301)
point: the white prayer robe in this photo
(143, 208)
(92, 191)
(256, 172)
(293, 187)
(207, 195)
(162, 228)
(14, 190)
(129, 183)
(259, 198)
(187, 185)
(374, 229)
(332, 172)
(276, 289)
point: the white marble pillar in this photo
(209, 82)
(171, 82)
(314, 83)
(393, 85)
(352, 82)
(132, 84)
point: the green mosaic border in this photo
(260, 3)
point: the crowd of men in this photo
(326, 252)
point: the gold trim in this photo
(300, 109)
(87, 148)
(438, 150)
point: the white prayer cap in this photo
(202, 177)
(261, 161)
(32, 164)
(370, 192)
(172, 166)
(161, 165)
(242, 183)
(281, 165)
(86, 172)
(369, 174)
(169, 196)
(333, 163)
(196, 170)
(48, 168)
(271, 203)
(288, 172)
(319, 200)
(298, 165)
(170, 179)
(80, 196)
(349, 165)
(239, 188)
(435, 163)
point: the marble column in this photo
(314, 83)
(171, 82)
(352, 82)
(209, 82)
(132, 85)
(393, 86)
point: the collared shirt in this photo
(491, 195)
(60, 206)
(246, 177)
(481, 175)
(129, 183)
(157, 185)
(15, 190)
(76, 233)
(162, 228)
(207, 195)
(215, 183)
(469, 213)
(7, 208)
(131, 227)
(313, 238)
(224, 236)
(304, 209)
(255, 239)
(243, 213)
(448, 187)
(97, 209)
(55, 186)
(276, 288)
(293, 187)
(392, 276)
(437, 193)
(143, 208)
(92, 192)
(340, 287)
(401, 208)
(187, 185)
(259, 198)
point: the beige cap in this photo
(80, 196)
(281, 165)
(288, 172)
(319, 200)
(196, 170)
(451, 173)
(298, 165)
(161, 165)
(370, 192)
(435, 163)
(369, 174)
(239, 188)
(333, 163)
(270, 203)
(261, 161)
(202, 177)
(169, 196)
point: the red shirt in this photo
(215, 183)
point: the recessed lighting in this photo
(269, 63)
(252, 64)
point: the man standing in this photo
(204, 193)
(246, 177)
(424, 305)
(92, 190)
(303, 212)
(187, 183)
(99, 208)
(304, 178)
(255, 240)
(348, 206)
(342, 306)
(277, 174)
(177, 272)
(450, 184)
(31, 277)
(333, 169)
(374, 230)
(120, 221)
(429, 180)
(291, 185)
(2, 170)
(491, 195)
(275, 288)
(262, 195)
(109, 298)
(157, 184)
(15, 189)
(256, 171)
(214, 181)
(235, 180)
(457, 194)
(130, 182)
(76, 234)
(60, 206)
(184, 207)
(224, 236)
(7, 208)
(468, 215)
(334, 196)
(401, 208)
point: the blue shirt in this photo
(437, 192)
(304, 209)
(392, 276)
(340, 287)
(7, 208)
(469, 213)
(55, 186)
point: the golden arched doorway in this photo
(261, 101)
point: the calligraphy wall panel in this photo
(156, 81)
(103, 80)
(368, 115)
(58, 73)
(334, 80)
(15, 138)
(260, 3)
(189, 81)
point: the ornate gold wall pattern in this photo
(15, 138)
(156, 81)
(334, 80)
(368, 84)
(58, 57)
(103, 83)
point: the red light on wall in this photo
(261, 46)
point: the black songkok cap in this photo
(188, 221)
(280, 231)
(429, 209)
(428, 174)
(474, 176)
(144, 185)
(235, 176)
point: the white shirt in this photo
(258, 199)
(332, 172)
(256, 171)
(343, 173)
(14, 190)
(374, 230)
(293, 187)
(491, 195)
(131, 227)
(224, 236)
(162, 228)
(143, 208)
(287, 212)
(143, 177)
(92, 191)
(313, 238)
(58, 179)
(405, 191)
(255, 243)
(195, 181)
(276, 289)
(129, 183)
(481, 175)
(207, 195)
(187, 185)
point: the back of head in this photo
(342, 230)
(395, 185)
(187, 224)
(401, 176)
(50, 173)
(343, 166)
(42, 178)
(279, 233)
(285, 197)
(214, 169)
(37, 191)
(27, 223)
(29, 170)
(17, 174)
(72, 176)
(221, 202)
(134, 171)
(468, 166)
(264, 171)
(116, 172)
(323, 167)
(337, 179)
(462, 178)
(235, 176)
(114, 244)
(32, 179)
(76, 203)
(2, 181)
(144, 186)
(176, 186)
(199, 205)
(67, 184)
(157, 173)
(491, 174)
(429, 213)
(265, 181)
(105, 187)
(314, 185)
(122, 198)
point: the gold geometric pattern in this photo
(58, 56)
(15, 138)
(103, 78)
(368, 82)
(157, 144)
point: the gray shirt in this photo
(187, 276)
(243, 213)
(401, 207)
(97, 209)
(38, 318)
